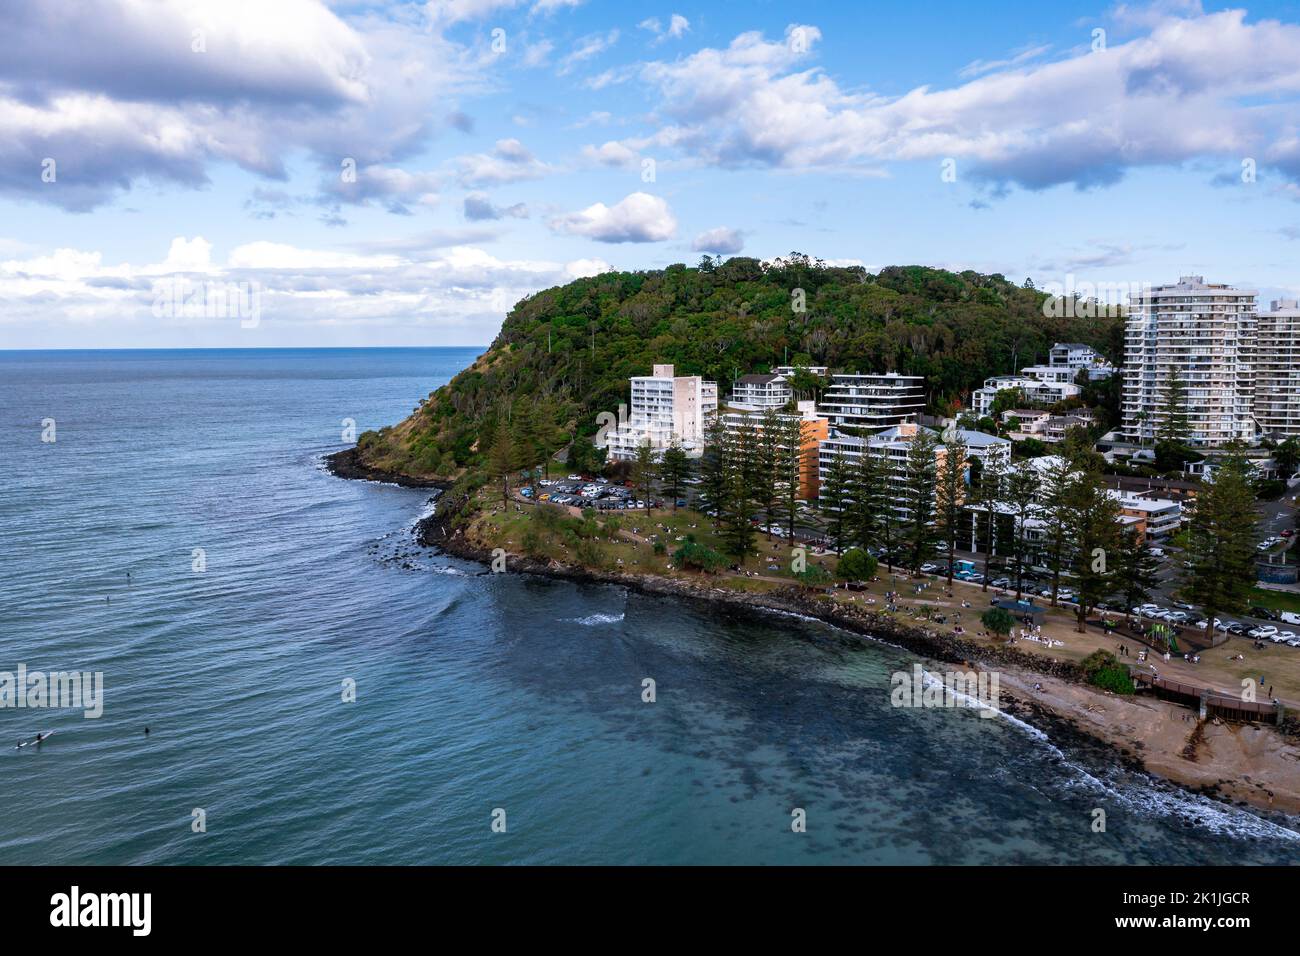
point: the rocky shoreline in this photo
(858, 625)
(347, 464)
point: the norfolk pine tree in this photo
(919, 479)
(950, 495)
(1221, 539)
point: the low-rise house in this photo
(1077, 356)
(1159, 518)
(1034, 391)
(762, 391)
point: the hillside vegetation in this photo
(565, 354)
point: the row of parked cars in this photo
(1184, 615)
(1273, 540)
(1032, 586)
(599, 493)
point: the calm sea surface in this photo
(473, 692)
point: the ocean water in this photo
(474, 693)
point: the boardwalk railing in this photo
(1213, 702)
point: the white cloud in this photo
(678, 26)
(509, 162)
(127, 91)
(1018, 58)
(594, 118)
(585, 268)
(610, 154)
(462, 288)
(587, 47)
(396, 189)
(277, 255)
(638, 217)
(1205, 85)
(537, 54)
(477, 207)
(550, 6)
(187, 255)
(723, 240)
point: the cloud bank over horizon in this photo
(406, 172)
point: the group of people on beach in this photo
(1034, 632)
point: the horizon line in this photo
(233, 348)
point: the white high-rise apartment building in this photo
(892, 447)
(663, 406)
(1206, 334)
(873, 402)
(1277, 370)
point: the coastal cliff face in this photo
(566, 353)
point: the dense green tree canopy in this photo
(567, 352)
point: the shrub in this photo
(856, 565)
(692, 554)
(533, 543)
(1114, 679)
(814, 576)
(549, 517)
(589, 553)
(1103, 669)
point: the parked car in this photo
(1265, 613)
(1001, 582)
(929, 568)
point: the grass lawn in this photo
(1276, 600)
(770, 557)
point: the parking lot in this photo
(598, 493)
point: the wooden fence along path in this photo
(1208, 702)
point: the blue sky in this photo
(502, 146)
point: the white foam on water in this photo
(1142, 793)
(591, 620)
(1146, 794)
